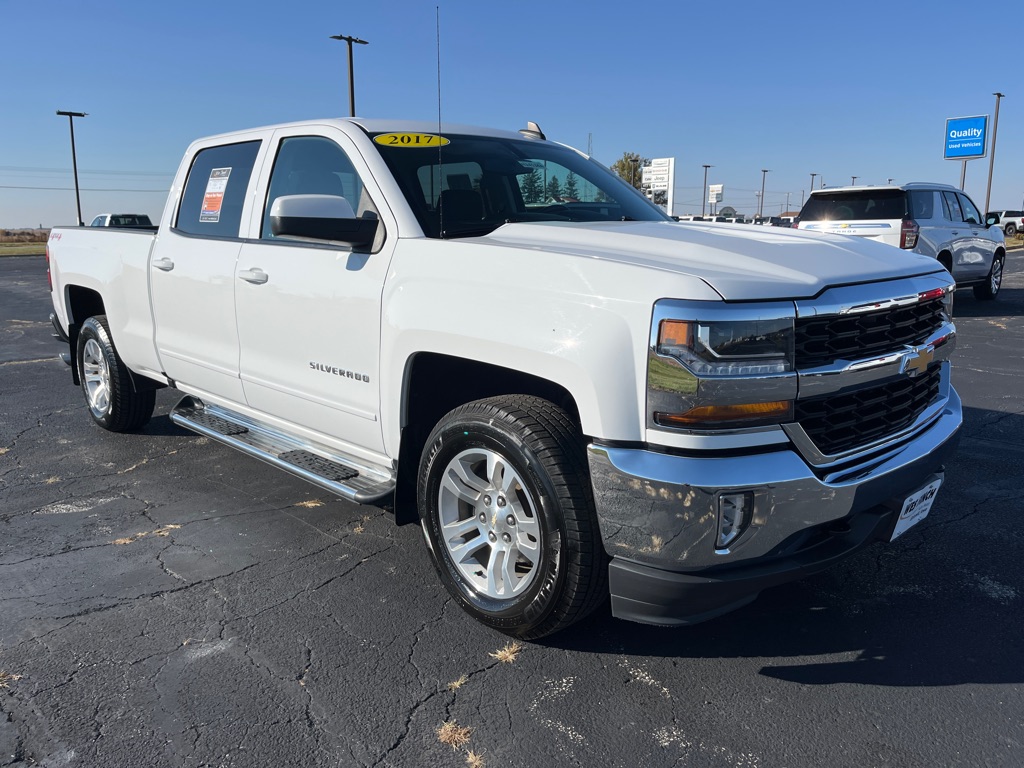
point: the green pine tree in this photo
(554, 189)
(532, 188)
(570, 190)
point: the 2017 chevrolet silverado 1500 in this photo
(570, 397)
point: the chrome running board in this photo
(343, 475)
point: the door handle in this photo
(954, 233)
(164, 264)
(255, 275)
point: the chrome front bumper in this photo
(658, 517)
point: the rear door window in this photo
(215, 190)
(922, 203)
(953, 211)
(856, 206)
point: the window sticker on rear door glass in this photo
(214, 197)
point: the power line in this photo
(84, 189)
(24, 168)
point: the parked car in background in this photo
(935, 220)
(1012, 222)
(121, 220)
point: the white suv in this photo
(1012, 222)
(936, 220)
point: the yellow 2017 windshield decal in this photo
(410, 140)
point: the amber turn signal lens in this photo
(706, 416)
(674, 333)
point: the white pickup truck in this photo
(571, 398)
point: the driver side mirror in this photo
(321, 217)
(990, 220)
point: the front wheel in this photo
(113, 402)
(990, 288)
(507, 510)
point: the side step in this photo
(346, 476)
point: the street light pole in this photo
(74, 160)
(992, 155)
(351, 77)
(853, 181)
(812, 181)
(704, 201)
(760, 205)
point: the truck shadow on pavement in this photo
(1009, 303)
(938, 607)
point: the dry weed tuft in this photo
(311, 504)
(474, 760)
(165, 531)
(453, 734)
(6, 678)
(456, 684)
(508, 654)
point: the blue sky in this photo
(837, 89)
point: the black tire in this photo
(990, 288)
(539, 517)
(112, 400)
(1011, 230)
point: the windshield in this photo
(855, 206)
(472, 185)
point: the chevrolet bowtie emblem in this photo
(917, 360)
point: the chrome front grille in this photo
(824, 340)
(843, 422)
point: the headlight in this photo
(713, 366)
(729, 347)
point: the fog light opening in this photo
(734, 513)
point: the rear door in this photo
(192, 271)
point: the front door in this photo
(309, 313)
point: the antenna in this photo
(440, 168)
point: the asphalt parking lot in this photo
(165, 601)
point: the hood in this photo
(742, 262)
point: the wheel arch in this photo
(433, 385)
(945, 258)
(81, 304)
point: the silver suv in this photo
(936, 220)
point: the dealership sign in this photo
(966, 137)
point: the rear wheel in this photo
(507, 510)
(1011, 230)
(113, 402)
(990, 288)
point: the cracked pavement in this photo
(165, 601)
